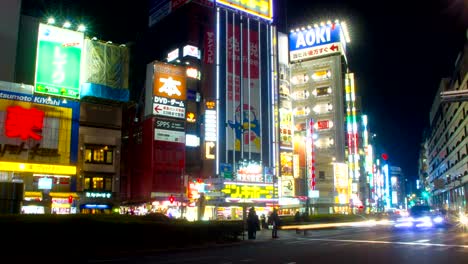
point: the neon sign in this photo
(248, 191)
(260, 8)
(24, 123)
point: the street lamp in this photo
(81, 28)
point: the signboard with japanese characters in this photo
(169, 81)
(35, 129)
(169, 111)
(58, 61)
(315, 41)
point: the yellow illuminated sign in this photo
(210, 105)
(37, 168)
(261, 8)
(249, 191)
(191, 118)
(210, 148)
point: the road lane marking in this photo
(422, 241)
(379, 242)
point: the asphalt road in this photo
(342, 245)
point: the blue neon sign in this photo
(313, 37)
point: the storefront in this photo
(38, 147)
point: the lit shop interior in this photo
(44, 192)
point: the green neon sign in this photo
(58, 62)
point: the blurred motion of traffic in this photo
(273, 121)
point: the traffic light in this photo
(171, 199)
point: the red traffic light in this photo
(171, 199)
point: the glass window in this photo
(321, 175)
(108, 184)
(99, 154)
(88, 155)
(109, 157)
(98, 183)
(87, 184)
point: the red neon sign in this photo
(24, 123)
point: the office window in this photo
(99, 154)
(321, 175)
(98, 183)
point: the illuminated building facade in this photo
(444, 164)
(228, 109)
(39, 150)
(318, 68)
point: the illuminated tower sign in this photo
(58, 61)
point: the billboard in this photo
(249, 192)
(287, 187)
(315, 41)
(169, 81)
(37, 129)
(244, 120)
(58, 61)
(260, 8)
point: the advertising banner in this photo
(249, 192)
(286, 163)
(35, 129)
(316, 41)
(287, 186)
(58, 61)
(260, 8)
(247, 130)
(169, 81)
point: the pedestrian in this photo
(263, 221)
(297, 217)
(275, 221)
(252, 223)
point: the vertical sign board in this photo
(211, 128)
(58, 61)
(315, 42)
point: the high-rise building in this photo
(318, 80)
(232, 102)
(446, 144)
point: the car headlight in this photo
(438, 219)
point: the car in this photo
(421, 216)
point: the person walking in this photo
(275, 221)
(252, 223)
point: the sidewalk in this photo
(265, 235)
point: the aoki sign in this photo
(314, 42)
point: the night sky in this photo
(399, 51)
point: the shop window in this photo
(99, 154)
